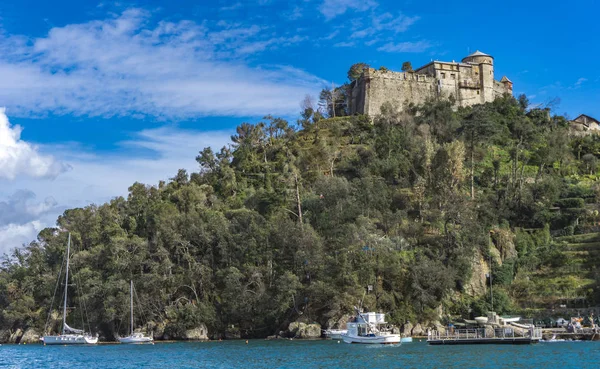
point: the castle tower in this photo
(483, 67)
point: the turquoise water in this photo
(301, 354)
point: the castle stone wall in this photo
(470, 82)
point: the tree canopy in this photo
(296, 221)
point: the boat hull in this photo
(335, 334)
(373, 340)
(70, 339)
(135, 340)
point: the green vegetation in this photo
(305, 221)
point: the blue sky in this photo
(101, 94)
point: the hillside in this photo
(301, 222)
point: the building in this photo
(468, 83)
(584, 125)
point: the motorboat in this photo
(69, 335)
(335, 334)
(509, 319)
(370, 328)
(481, 320)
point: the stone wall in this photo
(375, 88)
(467, 83)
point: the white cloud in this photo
(385, 22)
(295, 13)
(579, 82)
(98, 178)
(344, 44)
(19, 209)
(15, 235)
(18, 157)
(405, 47)
(233, 6)
(332, 8)
(129, 65)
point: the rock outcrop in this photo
(418, 330)
(477, 284)
(504, 241)
(199, 333)
(406, 329)
(338, 323)
(15, 336)
(30, 336)
(166, 330)
(303, 330)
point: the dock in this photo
(478, 336)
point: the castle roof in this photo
(479, 53)
(505, 79)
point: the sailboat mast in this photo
(66, 285)
(131, 304)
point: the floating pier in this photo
(490, 330)
(478, 336)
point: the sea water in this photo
(301, 354)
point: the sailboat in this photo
(69, 336)
(134, 337)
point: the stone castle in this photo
(469, 82)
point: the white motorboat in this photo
(69, 336)
(370, 328)
(509, 319)
(134, 337)
(481, 320)
(335, 334)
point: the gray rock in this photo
(158, 329)
(417, 330)
(30, 336)
(15, 336)
(406, 329)
(199, 333)
(303, 330)
(489, 331)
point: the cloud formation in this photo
(95, 179)
(18, 157)
(20, 209)
(127, 65)
(405, 47)
(332, 8)
(385, 22)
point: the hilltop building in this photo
(584, 125)
(469, 82)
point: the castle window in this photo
(443, 75)
(477, 92)
(453, 76)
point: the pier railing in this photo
(481, 333)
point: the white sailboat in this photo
(69, 336)
(134, 337)
(370, 328)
